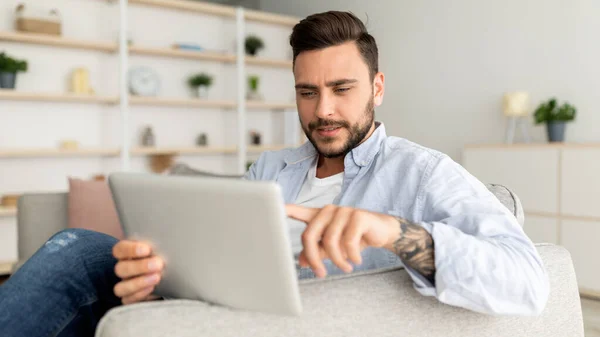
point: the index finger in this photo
(301, 213)
(128, 249)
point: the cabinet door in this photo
(580, 185)
(581, 238)
(531, 172)
(541, 229)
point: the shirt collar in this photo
(362, 155)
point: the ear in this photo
(378, 88)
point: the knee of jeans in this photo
(73, 237)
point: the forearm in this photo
(488, 274)
(415, 247)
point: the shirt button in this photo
(364, 163)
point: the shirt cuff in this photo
(420, 283)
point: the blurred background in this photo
(509, 89)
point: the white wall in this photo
(447, 63)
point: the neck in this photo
(326, 167)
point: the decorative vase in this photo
(255, 138)
(8, 80)
(254, 95)
(556, 131)
(202, 91)
(148, 138)
(202, 139)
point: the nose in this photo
(325, 107)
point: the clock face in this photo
(143, 81)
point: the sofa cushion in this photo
(508, 199)
(91, 206)
(376, 303)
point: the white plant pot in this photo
(202, 91)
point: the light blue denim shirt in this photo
(484, 261)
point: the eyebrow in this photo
(328, 84)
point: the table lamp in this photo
(516, 108)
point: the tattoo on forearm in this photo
(415, 248)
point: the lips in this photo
(329, 131)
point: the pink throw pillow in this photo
(91, 206)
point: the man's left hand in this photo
(340, 234)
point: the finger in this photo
(127, 249)
(312, 236)
(141, 295)
(332, 236)
(131, 286)
(131, 268)
(304, 262)
(352, 240)
(301, 213)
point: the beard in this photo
(356, 133)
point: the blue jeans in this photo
(63, 289)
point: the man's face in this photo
(336, 98)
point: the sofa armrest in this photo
(375, 303)
(39, 217)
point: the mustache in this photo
(319, 123)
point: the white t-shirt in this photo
(316, 193)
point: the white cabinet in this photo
(581, 239)
(533, 175)
(559, 187)
(580, 183)
(541, 229)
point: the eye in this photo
(307, 94)
(341, 90)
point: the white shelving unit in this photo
(105, 122)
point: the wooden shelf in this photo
(136, 151)
(270, 105)
(199, 150)
(52, 152)
(109, 47)
(7, 211)
(219, 10)
(264, 17)
(202, 103)
(184, 54)
(260, 61)
(263, 148)
(57, 41)
(182, 102)
(189, 6)
(13, 95)
(137, 100)
(143, 151)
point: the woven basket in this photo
(10, 200)
(40, 26)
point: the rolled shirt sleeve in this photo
(484, 261)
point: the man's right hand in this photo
(139, 269)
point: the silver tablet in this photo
(225, 241)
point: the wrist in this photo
(394, 232)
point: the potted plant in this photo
(555, 117)
(253, 94)
(201, 82)
(8, 70)
(253, 45)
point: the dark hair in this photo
(322, 30)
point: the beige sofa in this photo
(376, 303)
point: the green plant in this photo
(253, 44)
(198, 80)
(11, 65)
(253, 81)
(550, 111)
